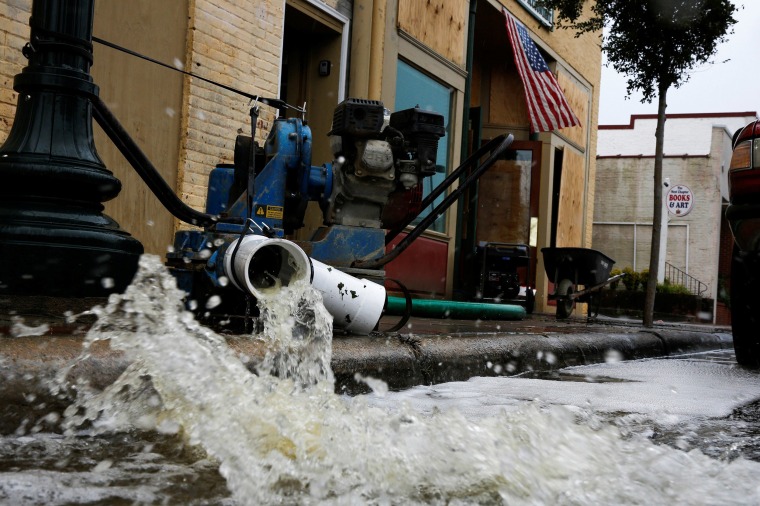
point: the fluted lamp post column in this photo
(54, 238)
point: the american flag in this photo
(547, 107)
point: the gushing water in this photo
(280, 435)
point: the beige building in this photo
(697, 153)
(319, 53)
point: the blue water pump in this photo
(379, 158)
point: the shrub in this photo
(668, 287)
(630, 279)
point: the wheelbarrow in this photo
(572, 268)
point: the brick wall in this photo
(237, 44)
(14, 33)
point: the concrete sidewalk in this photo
(426, 351)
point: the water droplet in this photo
(223, 281)
(19, 329)
(612, 356)
(213, 301)
(168, 427)
(103, 465)
(107, 282)
(379, 387)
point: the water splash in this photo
(280, 434)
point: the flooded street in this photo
(675, 431)
(700, 401)
(189, 423)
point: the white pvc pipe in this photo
(356, 304)
(263, 265)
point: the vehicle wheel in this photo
(564, 303)
(745, 307)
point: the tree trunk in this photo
(654, 257)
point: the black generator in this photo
(500, 270)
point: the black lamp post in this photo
(54, 238)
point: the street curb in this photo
(440, 359)
(28, 364)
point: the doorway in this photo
(313, 73)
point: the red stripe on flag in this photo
(547, 107)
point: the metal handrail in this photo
(678, 277)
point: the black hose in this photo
(147, 171)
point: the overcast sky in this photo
(733, 86)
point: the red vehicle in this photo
(743, 214)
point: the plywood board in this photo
(507, 96)
(570, 213)
(504, 203)
(148, 102)
(579, 99)
(438, 24)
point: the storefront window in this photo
(415, 89)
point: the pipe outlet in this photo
(261, 265)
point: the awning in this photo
(547, 107)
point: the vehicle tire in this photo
(745, 307)
(564, 304)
